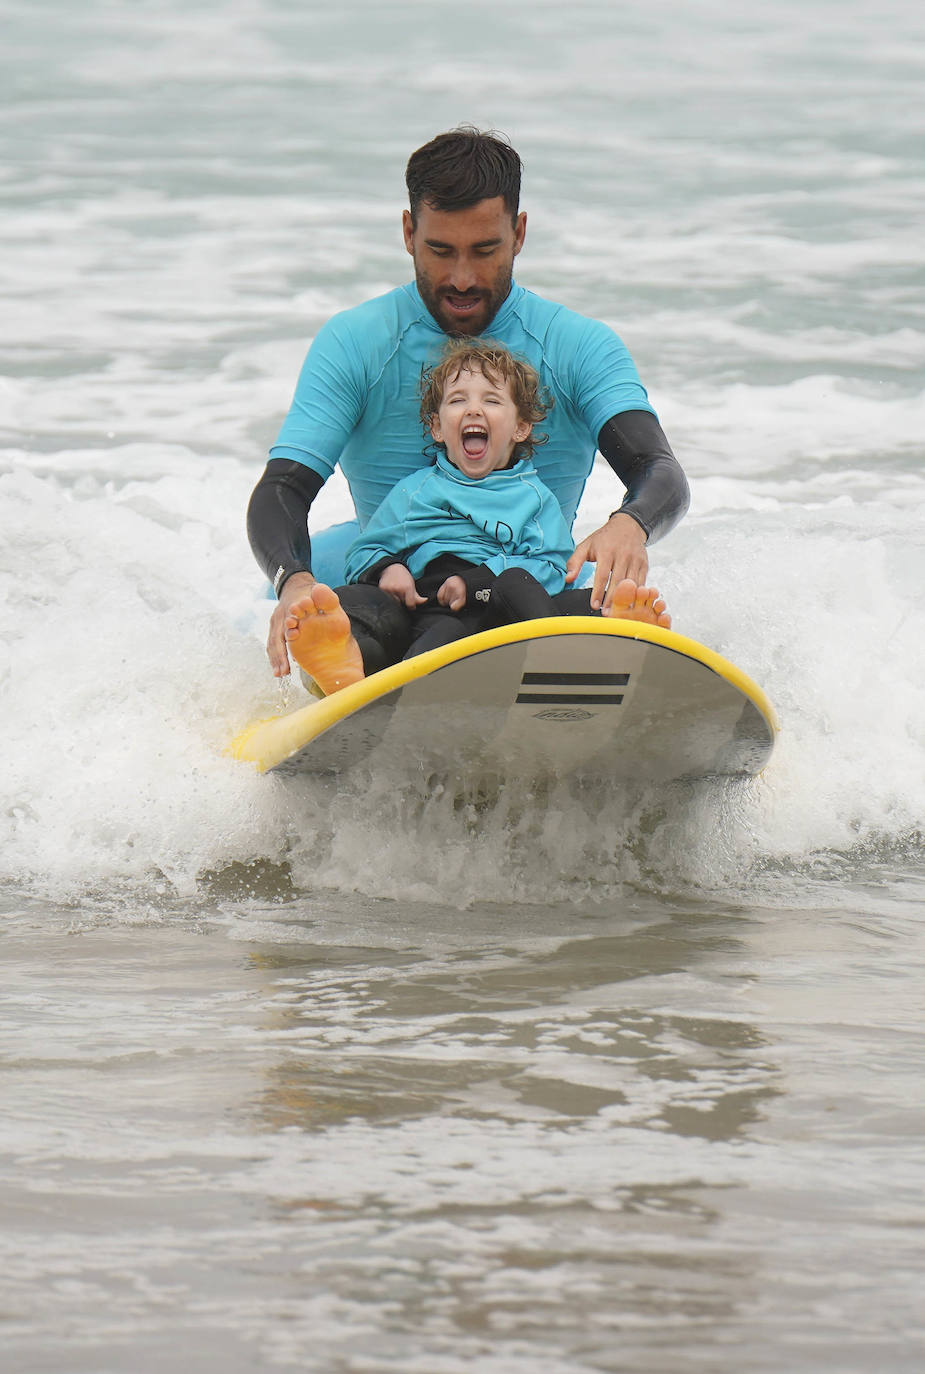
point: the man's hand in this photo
(618, 550)
(294, 589)
(398, 582)
(453, 593)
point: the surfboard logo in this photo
(563, 713)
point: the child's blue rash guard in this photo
(358, 396)
(503, 520)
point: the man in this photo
(356, 401)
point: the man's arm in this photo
(657, 494)
(277, 527)
(277, 519)
(657, 497)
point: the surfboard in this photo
(570, 696)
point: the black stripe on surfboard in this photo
(575, 679)
(569, 698)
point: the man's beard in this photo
(491, 300)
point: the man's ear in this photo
(435, 431)
(407, 229)
(520, 232)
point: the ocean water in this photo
(356, 1078)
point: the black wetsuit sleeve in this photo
(371, 575)
(479, 581)
(277, 519)
(657, 494)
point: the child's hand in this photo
(452, 593)
(398, 582)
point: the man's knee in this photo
(573, 601)
(516, 595)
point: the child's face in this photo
(479, 424)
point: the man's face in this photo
(463, 260)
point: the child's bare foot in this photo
(639, 603)
(319, 638)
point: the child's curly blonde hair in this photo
(501, 367)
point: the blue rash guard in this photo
(505, 519)
(358, 396)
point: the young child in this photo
(472, 541)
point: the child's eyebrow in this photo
(491, 390)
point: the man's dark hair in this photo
(456, 170)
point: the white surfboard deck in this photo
(571, 696)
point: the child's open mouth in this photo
(474, 441)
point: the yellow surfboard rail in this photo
(268, 742)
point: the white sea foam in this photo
(136, 655)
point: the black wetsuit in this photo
(491, 599)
